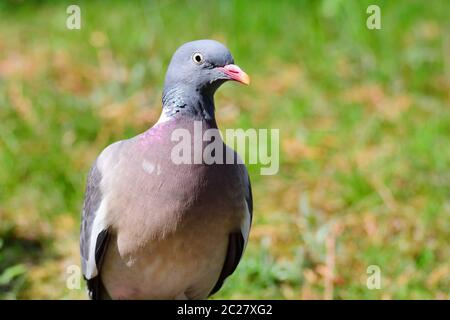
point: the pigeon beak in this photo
(235, 73)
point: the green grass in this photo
(364, 123)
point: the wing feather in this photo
(93, 239)
(237, 241)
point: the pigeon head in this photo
(203, 64)
(196, 71)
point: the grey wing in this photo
(237, 241)
(93, 235)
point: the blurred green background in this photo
(365, 133)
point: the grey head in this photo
(196, 71)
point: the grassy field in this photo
(364, 118)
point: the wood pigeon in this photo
(153, 228)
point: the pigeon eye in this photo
(198, 58)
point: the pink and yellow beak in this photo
(235, 73)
